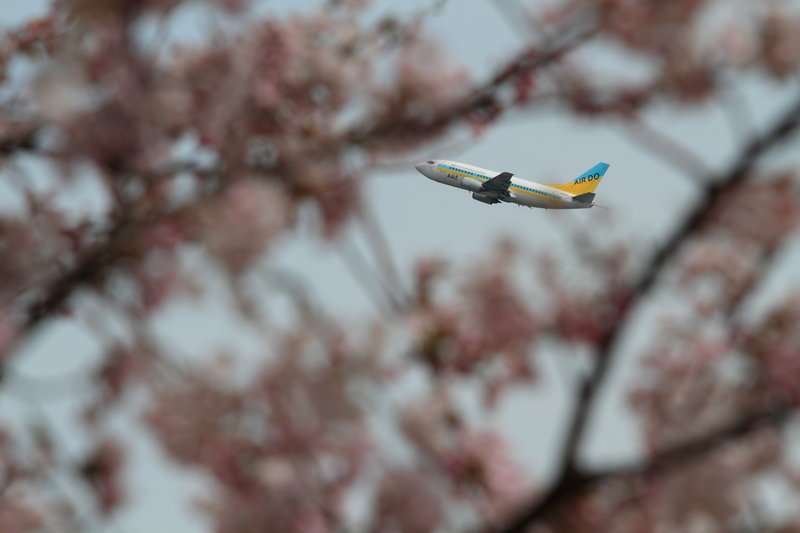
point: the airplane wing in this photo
(497, 187)
(585, 198)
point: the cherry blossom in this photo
(199, 159)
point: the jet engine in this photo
(485, 198)
(471, 184)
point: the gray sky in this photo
(420, 217)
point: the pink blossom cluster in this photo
(743, 231)
(27, 455)
(453, 339)
(284, 449)
(773, 346)
(702, 496)
(212, 150)
(709, 365)
(473, 465)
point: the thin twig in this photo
(382, 254)
(482, 98)
(366, 278)
(667, 149)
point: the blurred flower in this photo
(407, 501)
(103, 471)
(780, 41)
(243, 223)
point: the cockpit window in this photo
(430, 162)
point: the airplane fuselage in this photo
(522, 192)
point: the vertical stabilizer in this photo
(586, 182)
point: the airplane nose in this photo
(420, 167)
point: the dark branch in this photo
(737, 172)
(93, 264)
(659, 464)
(88, 269)
(18, 138)
(482, 99)
(682, 454)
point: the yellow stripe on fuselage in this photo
(513, 187)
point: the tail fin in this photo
(586, 182)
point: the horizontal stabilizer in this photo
(585, 198)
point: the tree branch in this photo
(93, 264)
(666, 148)
(570, 479)
(481, 99)
(18, 138)
(660, 463)
(681, 454)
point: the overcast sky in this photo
(420, 217)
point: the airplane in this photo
(491, 187)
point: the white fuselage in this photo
(522, 192)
